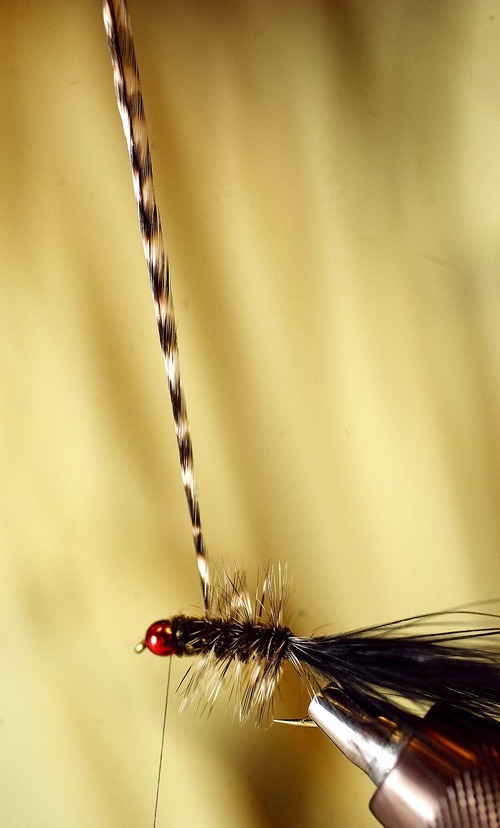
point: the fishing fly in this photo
(244, 639)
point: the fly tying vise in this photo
(246, 640)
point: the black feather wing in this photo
(457, 665)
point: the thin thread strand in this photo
(160, 763)
(131, 108)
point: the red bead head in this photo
(161, 639)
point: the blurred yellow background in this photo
(329, 180)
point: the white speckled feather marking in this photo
(130, 105)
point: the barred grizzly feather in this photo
(131, 108)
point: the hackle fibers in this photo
(243, 642)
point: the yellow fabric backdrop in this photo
(329, 180)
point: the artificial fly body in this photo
(244, 640)
(244, 643)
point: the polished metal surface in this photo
(370, 740)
